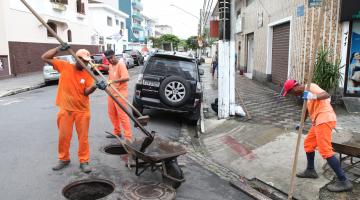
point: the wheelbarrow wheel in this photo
(173, 170)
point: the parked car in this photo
(170, 83)
(50, 74)
(137, 56)
(129, 61)
(100, 59)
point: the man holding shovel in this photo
(75, 86)
(323, 120)
(119, 77)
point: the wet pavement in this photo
(29, 149)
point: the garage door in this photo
(280, 53)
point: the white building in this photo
(162, 30)
(108, 27)
(23, 39)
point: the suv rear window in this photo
(171, 67)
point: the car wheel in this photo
(174, 91)
(138, 107)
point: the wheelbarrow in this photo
(159, 155)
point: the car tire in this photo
(182, 90)
(140, 108)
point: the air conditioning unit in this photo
(240, 24)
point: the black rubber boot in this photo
(85, 167)
(340, 186)
(308, 173)
(61, 164)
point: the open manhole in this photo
(114, 149)
(148, 191)
(90, 189)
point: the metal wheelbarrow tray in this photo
(160, 155)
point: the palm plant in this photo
(327, 74)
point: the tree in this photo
(192, 42)
(170, 38)
(156, 42)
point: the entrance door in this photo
(250, 55)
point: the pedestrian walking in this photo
(215, 63)
(119, 77)
(75, 86)
(323, 120)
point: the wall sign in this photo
(315, 3)
(352, 74)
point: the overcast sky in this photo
(184, 25)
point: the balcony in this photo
(138, 16)
(137, 4)
(137, 27)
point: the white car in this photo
(50, 74)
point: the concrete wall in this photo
(301, 36)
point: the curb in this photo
(21, 90)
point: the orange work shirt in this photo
(320, 111)
(119, 71)
(72, 85)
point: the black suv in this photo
(170, 83)
(136, 55)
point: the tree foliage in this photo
(167, 38)
(192, 42)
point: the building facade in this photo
(162, 30)
(23, 38)
(108, 27)
(276, 42)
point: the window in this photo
(80, 7)
(60, 1)
(69, 35)
(122, 25)
(109, 21)
(53, 27)
(108, 47)
(117, 22)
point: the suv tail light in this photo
(140, 79)
(198, 87)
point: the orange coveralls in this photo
(117, 116)
(74, 109)
(323, 120)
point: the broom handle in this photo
(147, 133)
(303, 113)
(117, 91)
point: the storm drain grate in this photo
(148, 191)
(89, 189)
(114, 149)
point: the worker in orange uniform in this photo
(75, 86)
(119, 77)
(323, 120)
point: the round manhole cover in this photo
(114, 149)
(148, 191)
(90, 189)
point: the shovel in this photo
(143, 119)
(150, 137)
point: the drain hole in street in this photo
(114, 150)
(90, 189)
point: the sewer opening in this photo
(114, 150)
(90, 189)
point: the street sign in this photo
(314, 3)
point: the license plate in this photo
(151, 83)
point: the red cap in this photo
(288, 85)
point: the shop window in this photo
(53, 27)
(69, 35)
(80, 7)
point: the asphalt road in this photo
(28, 150)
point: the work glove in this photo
(309, 96)
(109, 82)
(101, 85)
(64, 47)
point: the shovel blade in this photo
(143, 120)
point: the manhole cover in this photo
(90, 189)
(115, 149)
(148, 191)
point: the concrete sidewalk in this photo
(263, 147)
(15, 85)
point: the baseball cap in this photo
(288, 85)
(84, 54)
